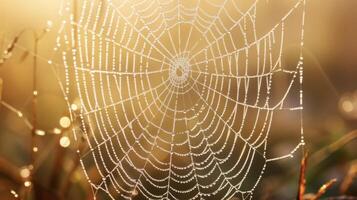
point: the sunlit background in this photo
(330, 108)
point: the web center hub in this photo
(179, 71)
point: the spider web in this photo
(177, 97)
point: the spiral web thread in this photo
(176, 97)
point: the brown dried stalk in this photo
(37, 38)
(302, 179)
(9, 49)
(10, 171)
(348, 180)
(326, 151)
(302, 183)
(323, 189)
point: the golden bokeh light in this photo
(65, 122)
(65, 141)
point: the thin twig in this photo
(324, 188)
(302, 179)
(348, 180)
